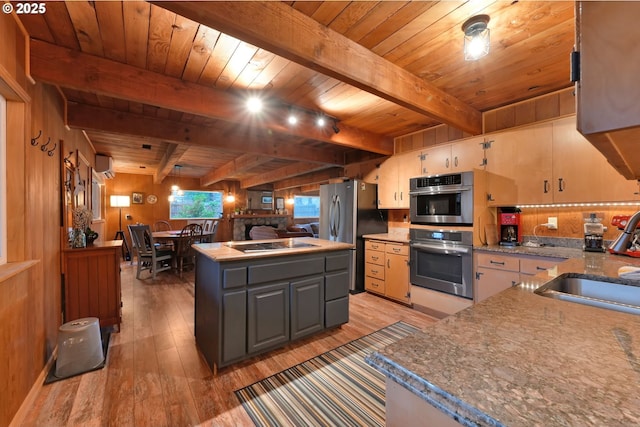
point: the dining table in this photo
(173, 235)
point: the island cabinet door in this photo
(267, 316)
(307, 306)
(234, 326)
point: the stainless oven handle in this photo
(447, 190)
(441, 249)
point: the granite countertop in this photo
(521, 359)
(398, 237)
(224, 251)
(543, 251)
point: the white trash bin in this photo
(79, 347)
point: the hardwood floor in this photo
(155, 375)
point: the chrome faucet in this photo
(623, 241)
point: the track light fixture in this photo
(335, 127)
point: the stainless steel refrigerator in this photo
(348, 210)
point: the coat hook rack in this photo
(43, 147)
(50, 152)
(34, 140)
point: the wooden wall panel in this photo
(30, 305)
(145, 213)
(556, 104)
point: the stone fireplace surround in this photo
(242, 223)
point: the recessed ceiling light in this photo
(292, 120)
(254, 104)
(320, 121)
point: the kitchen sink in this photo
(603, 292)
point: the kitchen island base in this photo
(247, 306)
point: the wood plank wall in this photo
(145, 213)
(544, 107)
(30, 308)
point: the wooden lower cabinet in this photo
(495, 272)
(92, 282)
(387, 269)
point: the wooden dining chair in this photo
(162, 225)
(263, 232)
(209, 230)
(149, 256)
(185, 254)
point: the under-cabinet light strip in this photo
(580, 205)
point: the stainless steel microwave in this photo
(442, 199)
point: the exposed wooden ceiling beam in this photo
(102, 119)
(240, 164)
(172, 155)
(282, 173)
(65, 67)
(320, 177)
(279, 28)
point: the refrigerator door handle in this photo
(332, 220)
(338, 216)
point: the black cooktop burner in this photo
(269, 246)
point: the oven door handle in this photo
(447, 190)
(440, 249)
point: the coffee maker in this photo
(593, 233)
(510, 229)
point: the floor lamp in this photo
(121, 202)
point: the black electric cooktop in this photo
(269, 246)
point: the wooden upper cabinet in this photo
(460, 156)
(388, 183)
(551, 163)
(468, 154)
(608, 110)
(608, 90)
(393, 180)
(519, 166)
(581, 173)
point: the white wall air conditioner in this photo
(104, 165)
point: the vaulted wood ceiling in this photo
(174, 76)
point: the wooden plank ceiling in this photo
(173, 77)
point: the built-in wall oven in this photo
(442, 260)
(442, 199)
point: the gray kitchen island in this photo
(255, 296)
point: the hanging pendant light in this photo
(175, 188)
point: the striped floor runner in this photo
(335, 388)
